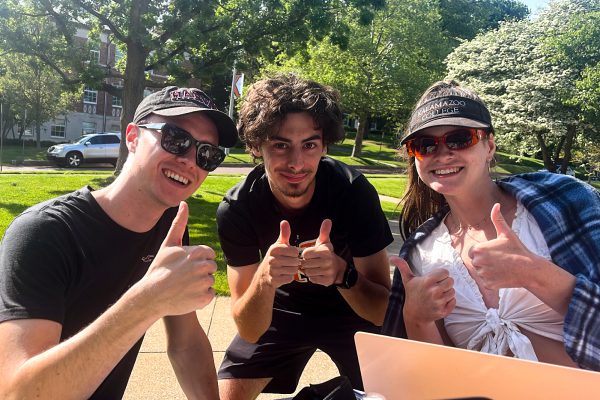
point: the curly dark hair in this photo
(270, 100)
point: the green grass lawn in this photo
(376, 152)
(20, 191)
(12, 152)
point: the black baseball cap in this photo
(172, 101)
(453, 110)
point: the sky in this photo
(534, 5)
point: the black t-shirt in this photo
(65, 260)
(248, 222)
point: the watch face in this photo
(351, 277)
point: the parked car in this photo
(96, 147)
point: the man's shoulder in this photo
(49, 220)
(66, 204)
(339, 171)
(251, 186)
(250, 190)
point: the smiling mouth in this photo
(176, 178)
(447, 171)
(295, 177)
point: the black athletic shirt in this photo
(65, 260)
(248, 222)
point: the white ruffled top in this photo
(474, 326)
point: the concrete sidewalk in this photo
(154, 379)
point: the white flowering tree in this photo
(528, 87)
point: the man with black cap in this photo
(85, 275)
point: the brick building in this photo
(97, 111)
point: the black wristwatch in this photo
(350, 277)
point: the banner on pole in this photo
(238, 85)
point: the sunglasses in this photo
(178, 141)
(457, 139)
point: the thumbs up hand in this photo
(428, 297)
(502, 262)
(281, 261)
(320, 263)
(180, 278)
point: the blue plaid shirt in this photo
(568, 214)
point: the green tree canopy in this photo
(465, 19)
(186, 38)
(384, 65)
(32, 93)
(389, 62)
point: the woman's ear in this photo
(131, 137)
(492, 146)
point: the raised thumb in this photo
(499, 222)
(285, 231)
(175, 234)
(324, 232)
(405, 271)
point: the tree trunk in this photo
(545, 153)
(37, 112)
(133, 87)
(363, 126)
(38, 133)
(568, 145)
(558, 150)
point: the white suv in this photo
(97, 147)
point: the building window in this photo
(90, 96)
(95, 56)
(57, 130)
(118, 55)
(117, 101)
(88, 127)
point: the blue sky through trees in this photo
(535, 5)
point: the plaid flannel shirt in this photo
(568, 214)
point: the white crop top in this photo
(471, 324)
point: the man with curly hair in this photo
(304, 237)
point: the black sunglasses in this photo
(457, 139)
(178, 141)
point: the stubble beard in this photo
(294, 190)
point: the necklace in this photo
(460, 229)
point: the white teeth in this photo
(174, 176)
(446, 171)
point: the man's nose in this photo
(296, 159)
(189, 157)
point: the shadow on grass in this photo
(345, 150)
(202, 225)
(237, 158)
(96, 183)
(214, 193)
(14, 208)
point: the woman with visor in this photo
(508, 267)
